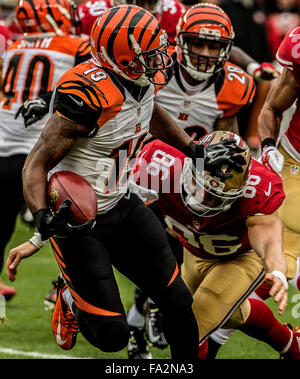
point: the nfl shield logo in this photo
(294, 169)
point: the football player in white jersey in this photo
(103, 108)
(31, 67)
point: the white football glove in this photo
(272, 159)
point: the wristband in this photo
(36, 240)
(268, 142)
(194, 150)
(252, 67)
(282, 277)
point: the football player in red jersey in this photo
(231, 237)
(103, 110)
(281, 153)
(281, 148)
(31, 67)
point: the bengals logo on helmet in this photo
(46, 16)
(206, 22)
(129, 40)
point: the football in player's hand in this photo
(68, 185)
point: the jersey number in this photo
(38, 78)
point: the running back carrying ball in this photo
(68, 185)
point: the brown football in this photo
(68, 185)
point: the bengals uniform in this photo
(116, 105)
(219, 242)
(223, 95)
(119, 124)
(31, 68)
(289, 146)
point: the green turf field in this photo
(27, 331)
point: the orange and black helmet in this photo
(46, 16)
(128, 40)
(208, 22)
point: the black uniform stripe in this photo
(133, 22)
(111, 40)
(112, 12)
(93, 86)
(202, 13)
(153, 36)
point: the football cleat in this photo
(154, 326)
(50, 299)
(7, 291)
(64, 325)
(137, 345)
(292, 350)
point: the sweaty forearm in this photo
(34, 186)
(269, 122)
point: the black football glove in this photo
(57, 224)
(33, 111)
(215, 156)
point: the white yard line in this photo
(35, 354)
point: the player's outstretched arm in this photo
(15, 255)
(265, 236)
(281, 96)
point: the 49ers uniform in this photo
(223, 95)
(31, 68)
(214, 246)
(288, 56)
(172, 10)
(119, 124)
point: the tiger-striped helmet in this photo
(46, 16)
(128, 40)
(207, 22)
(206, 195)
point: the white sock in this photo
(221, 336)
(68, 298)
(134, 318)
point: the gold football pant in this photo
(289, 212)
(220, 289)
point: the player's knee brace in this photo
(107, 333)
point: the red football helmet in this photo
(46, 16)
(206, 195)
(155, 7)
(128, 40)
(206, 22)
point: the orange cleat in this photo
(64, 325)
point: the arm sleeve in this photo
(75, 101)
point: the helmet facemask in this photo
(147, 63)
(202, 67)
